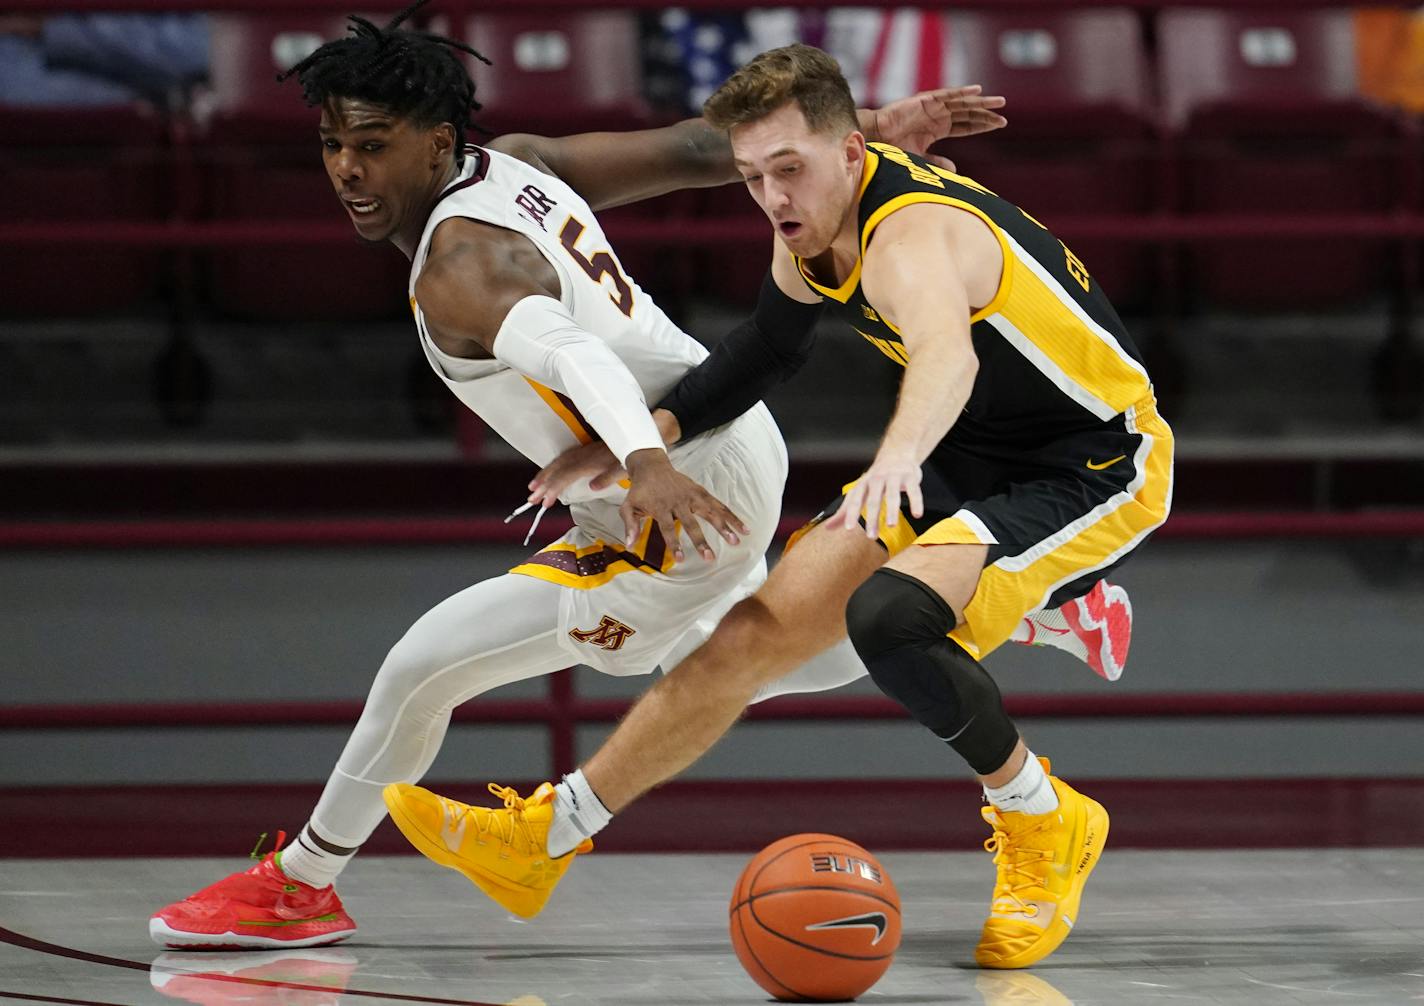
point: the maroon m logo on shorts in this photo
(609, 633)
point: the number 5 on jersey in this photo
(601, 264)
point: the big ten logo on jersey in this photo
(829, 862)
(534, 204)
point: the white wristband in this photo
(540, 339)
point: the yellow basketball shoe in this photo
(503, 851)
(1043, 862)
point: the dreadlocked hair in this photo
(415, 74)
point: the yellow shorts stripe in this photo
(1013, 586)
(953, 531)
(589, 566)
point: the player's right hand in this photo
(675, 502)
(592, 461)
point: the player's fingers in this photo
(951, 93)
(723, 520)
(849, 513)
(693, 527)
(891, 500)
(667, 524)
(917, 499)
(841, 518)
(975, 102)
(631, 524)
(869, 510)
(873, 513)
(983, 118)
(607, 477)
(943, 162)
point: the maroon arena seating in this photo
(1082, 133)
(575, 74)
(79, 165)
(1269, 122)
(556, 76)
(261, 159)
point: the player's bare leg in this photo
(799, 612)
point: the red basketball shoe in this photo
(1096, 628)
(260, 908)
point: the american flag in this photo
(884, 54)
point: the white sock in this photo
(1031, 627)
(578, 814)
(1029, 792)
(308, 863)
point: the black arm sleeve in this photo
(750, 360)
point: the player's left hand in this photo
(879, 490)
(592, 461)
(916, 122)
(674, 502)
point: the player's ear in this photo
(854, 150)
(442, 143)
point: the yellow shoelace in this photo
(1015, 875)
(489, 821)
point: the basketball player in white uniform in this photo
(524, 311)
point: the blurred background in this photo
(229, 480)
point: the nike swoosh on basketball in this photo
(870, 920)
(1098, 466)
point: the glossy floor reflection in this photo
(1259, 928)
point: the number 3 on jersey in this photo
(602, 264)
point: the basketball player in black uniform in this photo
(1025, 445)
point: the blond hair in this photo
(797, 72)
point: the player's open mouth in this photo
(789, 228)
(362, 207)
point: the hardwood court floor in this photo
(1259, 928)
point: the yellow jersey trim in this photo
(551, 399)
(1006, 280)
(842, 293)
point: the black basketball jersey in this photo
(1054, 357)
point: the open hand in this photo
(880, 489)
(917, 122)
(592, 461)
(666, 496)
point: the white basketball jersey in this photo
(538, 421)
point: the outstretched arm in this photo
(611, 169)
(752, 358)
(483, 292)
(918, 275)
(749, 361)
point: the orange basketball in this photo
(815, 918)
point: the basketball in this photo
(815, 918)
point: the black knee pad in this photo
(900, 628)
(891, 610)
